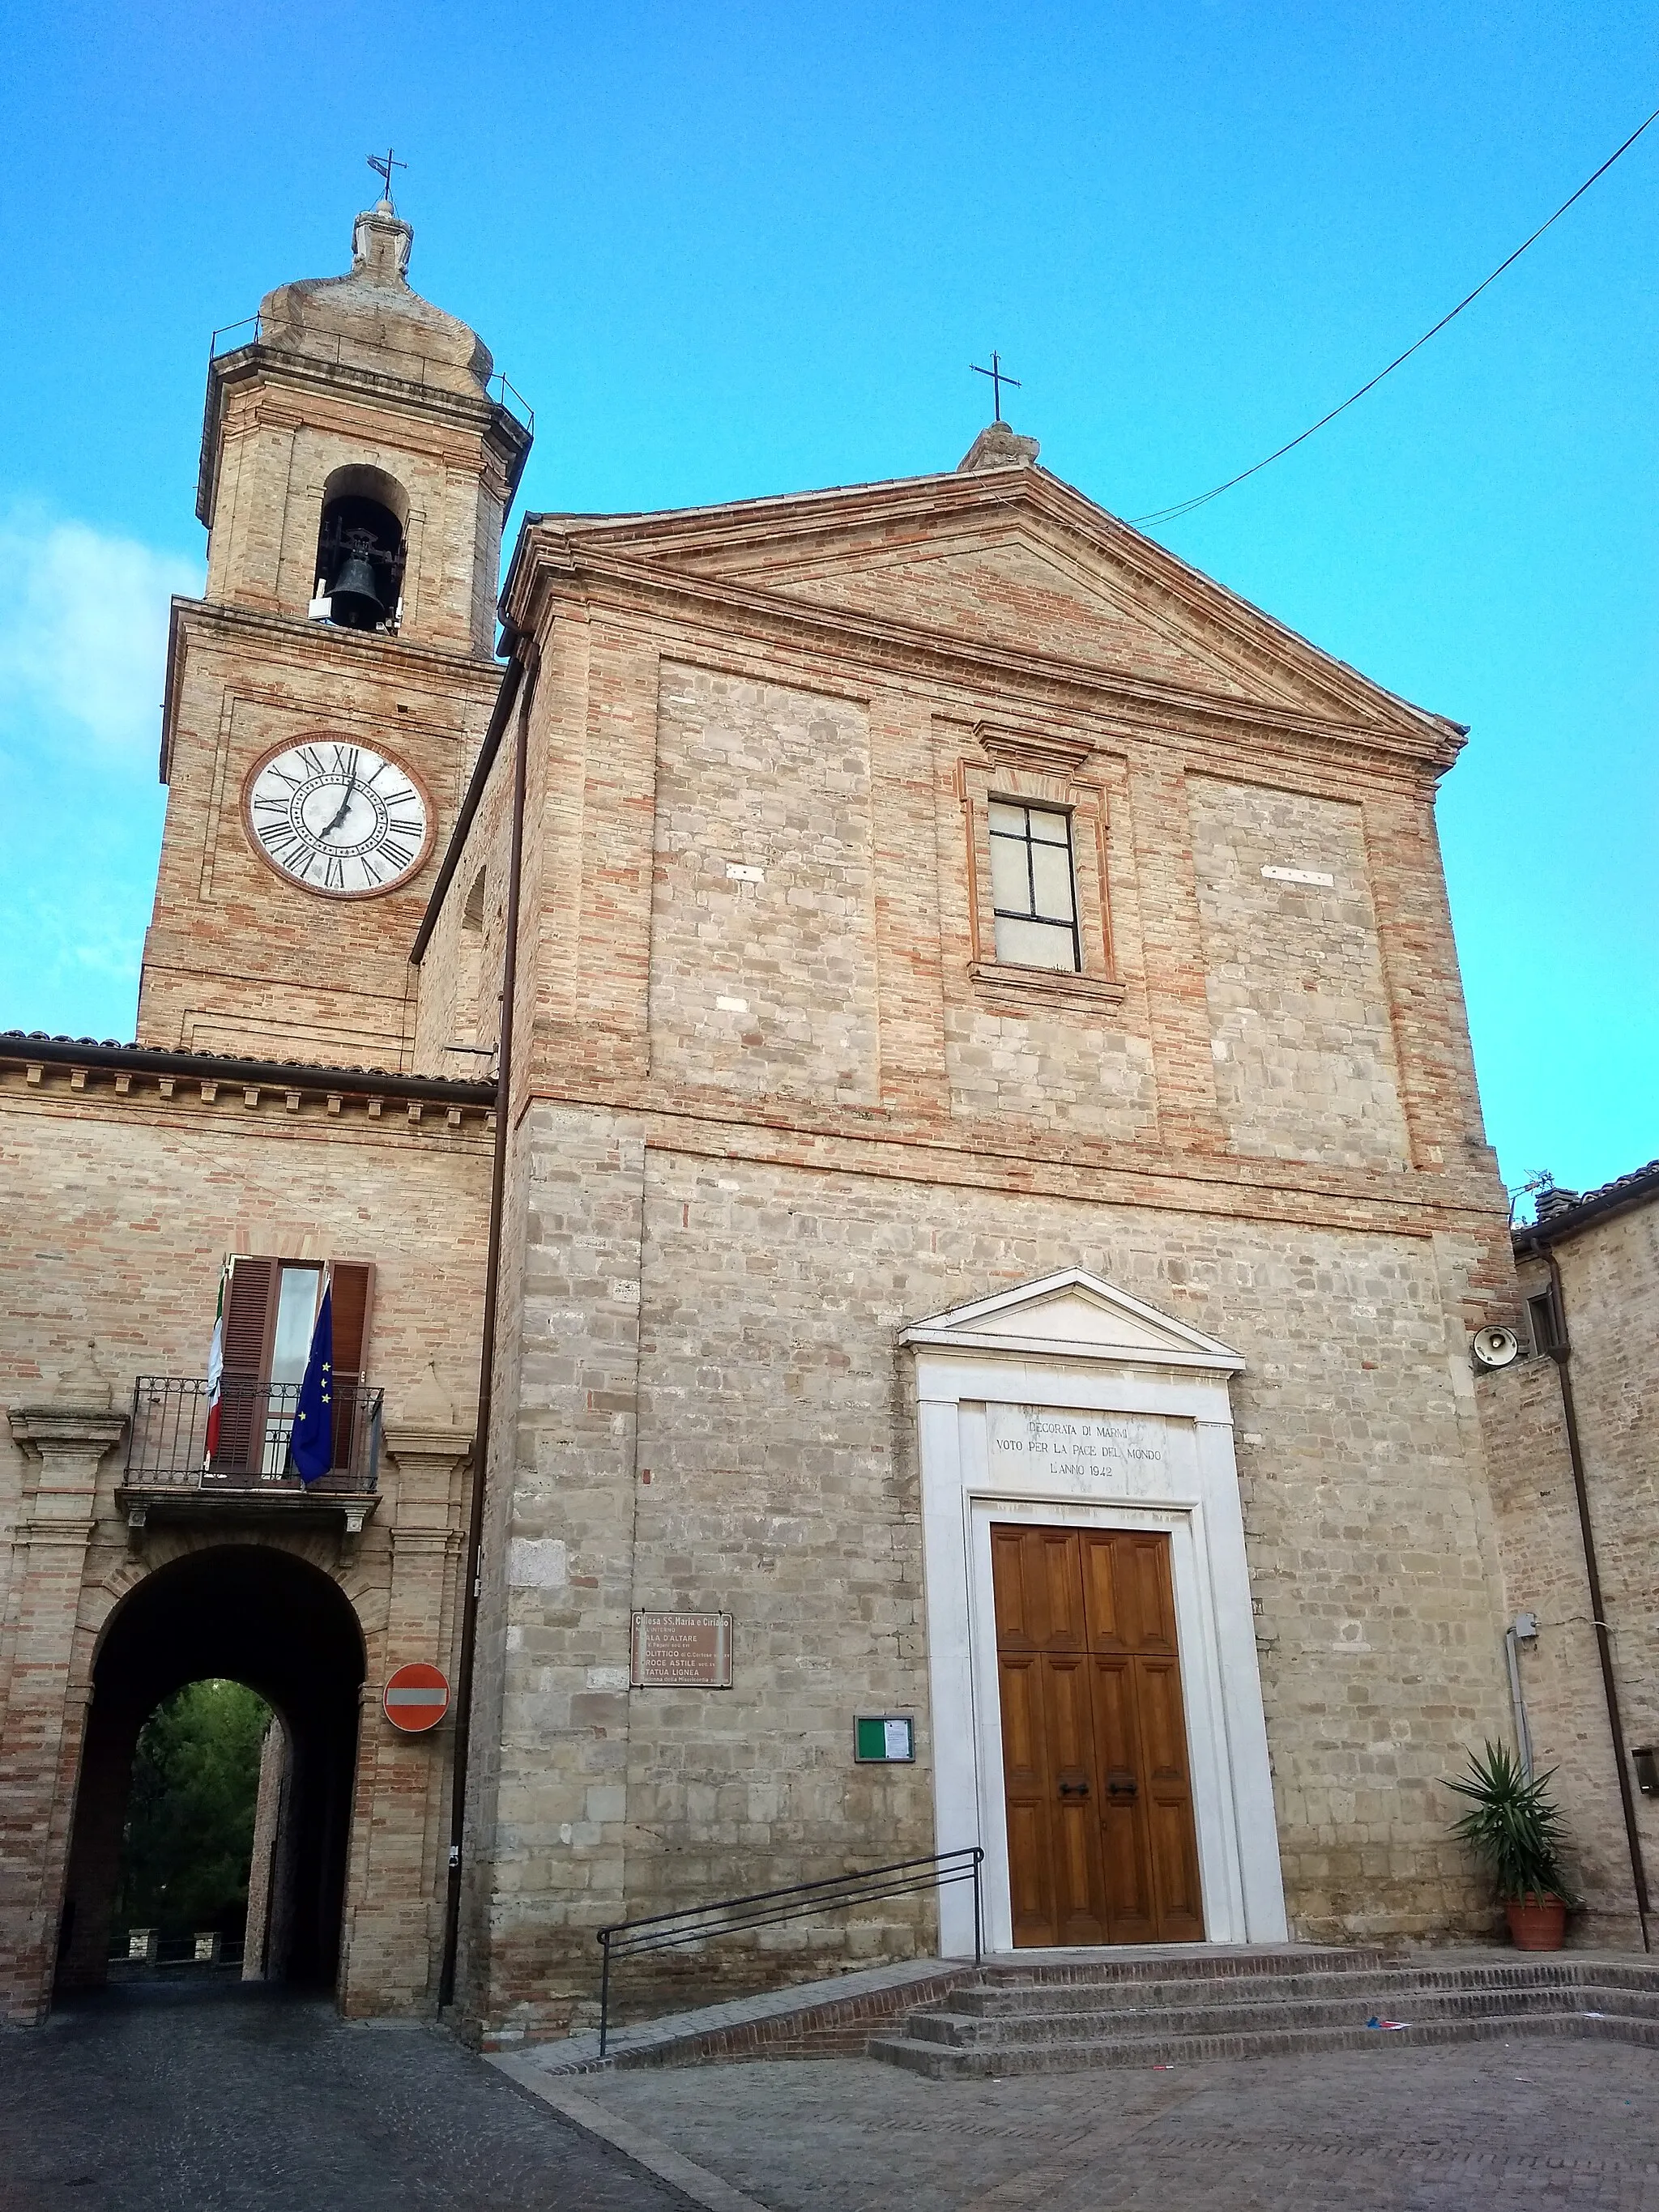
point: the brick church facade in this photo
(918, 1041)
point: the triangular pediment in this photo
(1016, 587)
(1076, 1316)
(1009, 560)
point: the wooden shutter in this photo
(250, 1325)
(354, 1299)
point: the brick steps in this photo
(1497, 1990)
(1174, 2010)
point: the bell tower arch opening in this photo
(263, 1616)
(361, 550)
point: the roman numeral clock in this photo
(338, 818)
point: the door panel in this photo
(1169, 1801)
(1101, 1839)
(1102, 1610)
(1143, 1562)
(1062, 1591)
(1131, 1917)
(1072, 1775)
(1025, 1781)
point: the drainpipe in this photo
(528, 658)
(1560, 1353)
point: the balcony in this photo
(169, 1471)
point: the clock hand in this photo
(344, 806)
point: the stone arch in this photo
(257, 1612)
(364, 523)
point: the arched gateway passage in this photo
(255, 1614)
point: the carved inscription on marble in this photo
(1119, 1449)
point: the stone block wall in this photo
(741, 1438)
(1301, 1031)
(1610, 1283)
(763, 938)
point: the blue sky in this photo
(727, 250)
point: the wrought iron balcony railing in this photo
(167, 1440)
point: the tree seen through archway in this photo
(188, 1836)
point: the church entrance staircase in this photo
(1182, 2006)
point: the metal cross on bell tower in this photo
(999, 376)
(384, 164)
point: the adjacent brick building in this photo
(993, 1212)
(1572, 1426)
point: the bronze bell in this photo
(355, 601)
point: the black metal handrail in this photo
(167, 1436)
(506, 393)
(252, 324)
(764, 1908)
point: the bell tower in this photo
(327, 695)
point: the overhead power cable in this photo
(1202, 499)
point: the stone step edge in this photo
(942, 2062)
(1552, 2001)
(1027, 2003)
(1223, 1963)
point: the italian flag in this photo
(216, 1374)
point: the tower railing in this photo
(231, 337)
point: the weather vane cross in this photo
(999, 376)
(384, 164)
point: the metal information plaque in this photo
(681, 1650)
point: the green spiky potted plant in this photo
(1513, 1829)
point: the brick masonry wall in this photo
(279, 448)
(1029, 595)
(237, 958)
(115, 1213)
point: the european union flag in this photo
(311, 1440)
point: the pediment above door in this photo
(1073, 1316)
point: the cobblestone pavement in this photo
(1458, 2129)
(249, 2101)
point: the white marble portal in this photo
(1070, 1403)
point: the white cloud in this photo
(83, 626)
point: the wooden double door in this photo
(1101, 1847)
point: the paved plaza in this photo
(248, 2101)
(1545, 2121)
(175, 2101)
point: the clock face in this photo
(338, 817)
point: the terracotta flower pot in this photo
(1536, 1923)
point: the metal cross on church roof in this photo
(384, 164)
(999, 376)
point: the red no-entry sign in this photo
(416, 1697)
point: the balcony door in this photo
(271, 1310)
